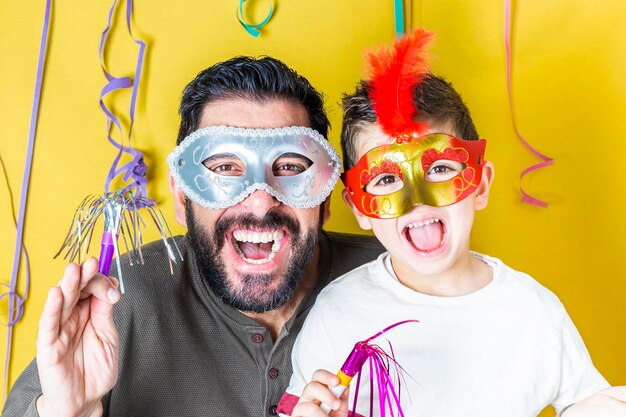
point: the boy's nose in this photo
(260, 202)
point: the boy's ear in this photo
(482, 192)
(179, 202)
(363, 220)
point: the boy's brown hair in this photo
(436, 101)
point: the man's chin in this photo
(260, 301)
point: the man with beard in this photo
(251, 178)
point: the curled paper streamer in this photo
(399, 7)
(546, 161)
(135, 170)
(253, 29)
(16, 303)
(119, 208)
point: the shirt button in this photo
(272, 410)
(273, 373)
(257, 338)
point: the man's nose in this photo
(260, 202)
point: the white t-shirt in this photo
(508, 349)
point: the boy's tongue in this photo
(256, 250)
(428, 237)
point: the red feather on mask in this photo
(394, 74)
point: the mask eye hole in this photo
(443, 170)
(384, 184)
(225, 165)
(290, 164)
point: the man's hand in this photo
(317, 392)
(609, 402)
(77, 343)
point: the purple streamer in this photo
(135, 170)
(16, 303)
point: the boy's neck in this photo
(468, 274)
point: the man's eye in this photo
(443, 170)
(290, 164)
(384, 184)
(226, 169)
(289, 169)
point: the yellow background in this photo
(569, 92)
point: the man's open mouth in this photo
(427, 235)
(257, 247)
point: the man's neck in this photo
(274, 320)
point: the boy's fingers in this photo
(325, 377)
(319, 392)
(308, 409)
(50, 318)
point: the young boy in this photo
(491, 341)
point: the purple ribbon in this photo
(133, 172)
(16, 303)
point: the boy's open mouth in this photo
(427, 235)
(257, 247)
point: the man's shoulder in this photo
(352, 241)
(349, 251)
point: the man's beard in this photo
(250, 296)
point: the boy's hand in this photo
(608, 402)
(317, 392)
(77, 343)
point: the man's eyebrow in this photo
(220, 156)
(293, 155)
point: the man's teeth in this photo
(259, 237)
(422, 224)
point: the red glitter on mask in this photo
(431, 155)
(387, 166)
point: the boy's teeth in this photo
(258, 237)
(422, 224)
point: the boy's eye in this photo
(290, 164)
(443, 170)
(227, 165)
(384, 184)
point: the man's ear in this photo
(482, 192)
(179, 202)
(326, 209)
(363, 220)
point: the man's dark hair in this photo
(258, 79)
(436, 101)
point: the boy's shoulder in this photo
(518, 284)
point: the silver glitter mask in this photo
(257, 150)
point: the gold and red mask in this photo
(435, 170)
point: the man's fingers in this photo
(50, 318)
(69, 287)
(102, 288)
